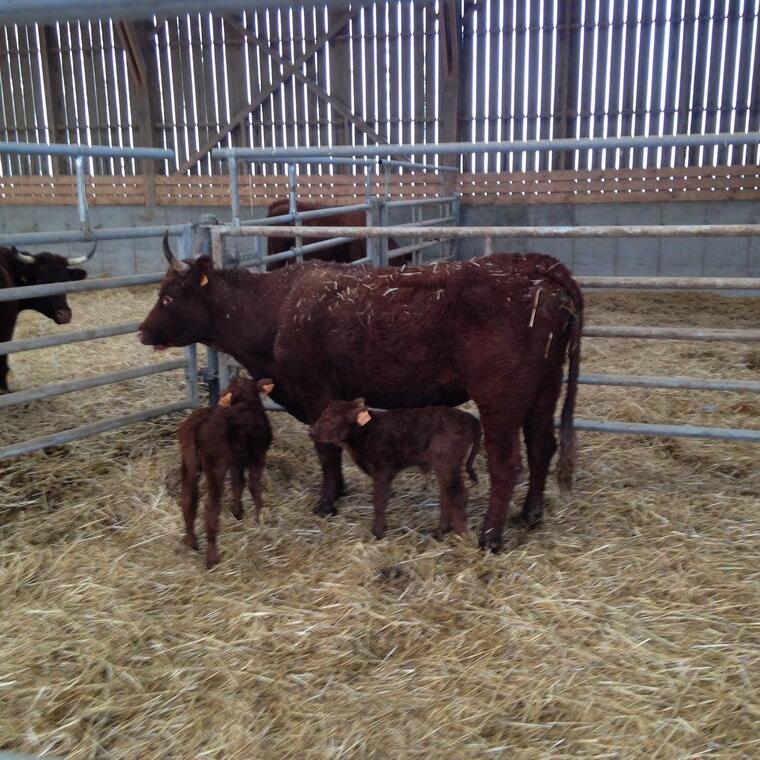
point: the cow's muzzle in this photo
(62, 316)
(148, 340)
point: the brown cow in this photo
(344, 253)
(231, 437)
(384, 443)
(495, 330)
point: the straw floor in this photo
(625, 626)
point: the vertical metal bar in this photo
(382, 220)
(293, 206)
(191, 374)
(417, 214)
(234, 190)
(373, 220)
(368, 185)
(386, 178)
(456, 212)
(84, 212)
(488, 246)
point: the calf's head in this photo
(43, 269)
(336, 421)
(245, 390)
(183, 313)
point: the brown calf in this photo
(231, 437)
(384, 443)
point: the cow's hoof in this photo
(237, 512)
(325, 509)
(191, 542)
(530, 518)
(212, 559)
(493, 544)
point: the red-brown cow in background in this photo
(495, 330)
(343, 253)
(232, 437)
(382, 444)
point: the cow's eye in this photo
(166, 300)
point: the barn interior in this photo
(623, 625)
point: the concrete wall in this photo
(654, 256)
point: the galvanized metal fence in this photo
(188, 363)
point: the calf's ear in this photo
(265, 385)
(226, 400)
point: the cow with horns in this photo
(496, 330)
(19, 269)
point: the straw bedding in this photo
(625, 626)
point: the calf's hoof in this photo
(530, 517)
(378, 533)
(212, 558)
(325, 509)
(190, 541)
(237, 512)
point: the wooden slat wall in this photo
(559, 186)
(529, 70)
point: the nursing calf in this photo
(232, 437)
(384, 443)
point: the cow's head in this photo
(182, 315)
(45, 268)
(336, 421)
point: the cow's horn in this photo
(72, 261)
(26, 258)
(174, 262)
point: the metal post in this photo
(374, 248)
(84, 211)
(386, 177)
(456, 212)
(293, 207)
(234, 189)
(417, 214)
(488, 246)
(368, 185)
(191, 374)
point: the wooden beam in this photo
(144, 93)
(52, 78)
(235, 36)
(288, 70)
(340, 81)
(562, 119)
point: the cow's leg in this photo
(333, 486)
(190, 502)
(381, 487)
(7, 325)
(453, 504)
(541, 445)
(255, 471)
(237, 479)
(503, 452)
(215, 479)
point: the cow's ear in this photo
(77, 274)
(204, 264)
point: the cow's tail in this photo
(567, 442)
(476, 438)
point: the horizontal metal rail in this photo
(46, 341)
(316, 213)
(365, 260)
(671, 283)
(671, 333)
(427, 222)
(411, 248)
(416, 165)
(304, 249)
(420, 202)
(75, 236)
(95, 428)
(83, 384)
(673, 381)
(588, 231)
(79, 286)
(95, 151)
(502, 146)
(268, 220)
(675, 431)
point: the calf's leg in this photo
(333, 486)
(237, 478)
(453, 503)
(215, 483)
(190, 498)
(255, 471)
(381, 487)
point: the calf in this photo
(384, 443)
(231, 437)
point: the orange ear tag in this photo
(268, 388)
(226, 400)
(363, 418)
(204, 280)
